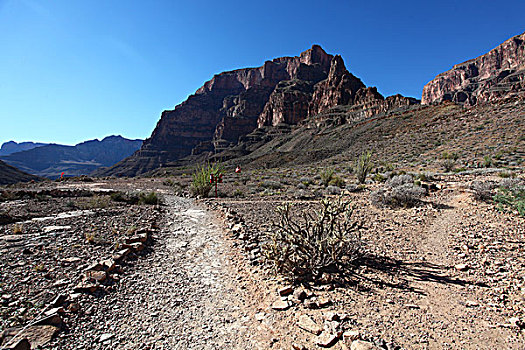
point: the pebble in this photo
(281, 305)
(309, 325)
(105, 337)
(461, 267)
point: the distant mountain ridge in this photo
(10, 175)
(11, 147)
(52, 159)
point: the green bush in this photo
(149, 198)
(201, 185)
(487, 161)
(448, 164)
(326, 176)
(305, 244)
(511, 195)
(363, 166)
(337, 181)
(449, 160)
(379, 178)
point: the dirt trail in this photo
(186, 295)
(446, 300)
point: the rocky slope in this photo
(498, 73)
(233, 104)
(11, 175)
(13, 147)
(81, 159)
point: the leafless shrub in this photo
(306, 244)
(483, 190)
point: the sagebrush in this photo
(399, 191)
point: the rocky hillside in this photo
(10, 175)
(81, 159)
(233, 104)
(498, 73)
(13, 147)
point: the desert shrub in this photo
(326, 176)
(201, 185)
(119, 196)
(399, 191)
(306, 181)
(96, 202)
(449, 160)
(150, 198)
(337, 181)
(305, 244)
(507, 174)
(379, 177)
(450, 155)
(426, 176)
(511, 195)
(483, 190)
(238, 193)
(487, 161)
(274, 185)
(333, 190)
(448, 164)
(363, 166)
(399, 180)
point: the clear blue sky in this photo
(77, 70)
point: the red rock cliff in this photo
(498, 73)
(232, 104)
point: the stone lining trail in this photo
(185, 295)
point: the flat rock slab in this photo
(37, 336)
(281, 305)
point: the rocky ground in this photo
(81, 268)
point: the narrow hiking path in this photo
(452, 296)
(189, 291)
(187, 295)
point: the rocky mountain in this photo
(81, 159)
(10, 175)
(498, 73)
(13, 147)
(232, 104)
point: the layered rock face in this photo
(499, 73)
(233, 104)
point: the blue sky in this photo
(77, 70)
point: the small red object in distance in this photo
(238, 169)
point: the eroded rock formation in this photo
(233, 104)
(498, 73)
